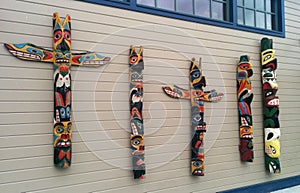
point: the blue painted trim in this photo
(267, 186)
(232, 23)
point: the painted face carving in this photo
(62, 144)
(136, 76)
(272, 148)
(246, 132)
(268, 56)
(62, 40)
(137, 145)
(196, 78)
(136, 59)
(244, 71)
(62, 113)
(62, 134)
(197, 168)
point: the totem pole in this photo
(136, 67)
(271, 106)
(62, 58)
(245, 97)
(197, 97)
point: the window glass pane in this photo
(269, 21)
(240, 15)
(268, 5)
(218, 10)
(146, 2)
(203, 8)
(249, 17)
(260, 19)
(121, 0)
(240, 3)
(185, 6)
(273, 7)
(274, 22)
(260, 5)
(166, 4)
(249, 3)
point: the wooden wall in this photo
(101, 161)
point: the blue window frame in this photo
(258, 16)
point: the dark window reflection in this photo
(218, 10)
(146, 2)
(203, 8)
(185, 6)
(166, 4)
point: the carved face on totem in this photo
(246, 132)
(244, 71)
(62, 40)
(197, 168)
(268, 56)
(136, 58)
(196, 78)
(137, 144)
(62, 143)
(272, 144)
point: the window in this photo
(257, 13)
(259, 16)
(215, 9)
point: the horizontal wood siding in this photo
(101, 161)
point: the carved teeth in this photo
(63, 144)
(247, 136)
(172, 93)
(134, 129)
(25, 55)
(62, 61)
(99, 62)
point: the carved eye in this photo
(67, 35)
(58, 55)
(196, 74)
(133, 59)
(197, 118)
(57, 35)
(197, 163)
(62, 113)
(59, 130)
(68, 112)
(273, 149)
(69, 129)
(136, 142)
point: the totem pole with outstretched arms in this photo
(62, 58)
(197, 96)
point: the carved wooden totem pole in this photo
(136, 67)
(62, 58)
(245, 97)
(271, 106)
(197, 97)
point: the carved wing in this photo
(212, 96)
(176, 92)
(89, 59)
(27, 51)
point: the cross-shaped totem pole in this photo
(62, 58)
(197, 97)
